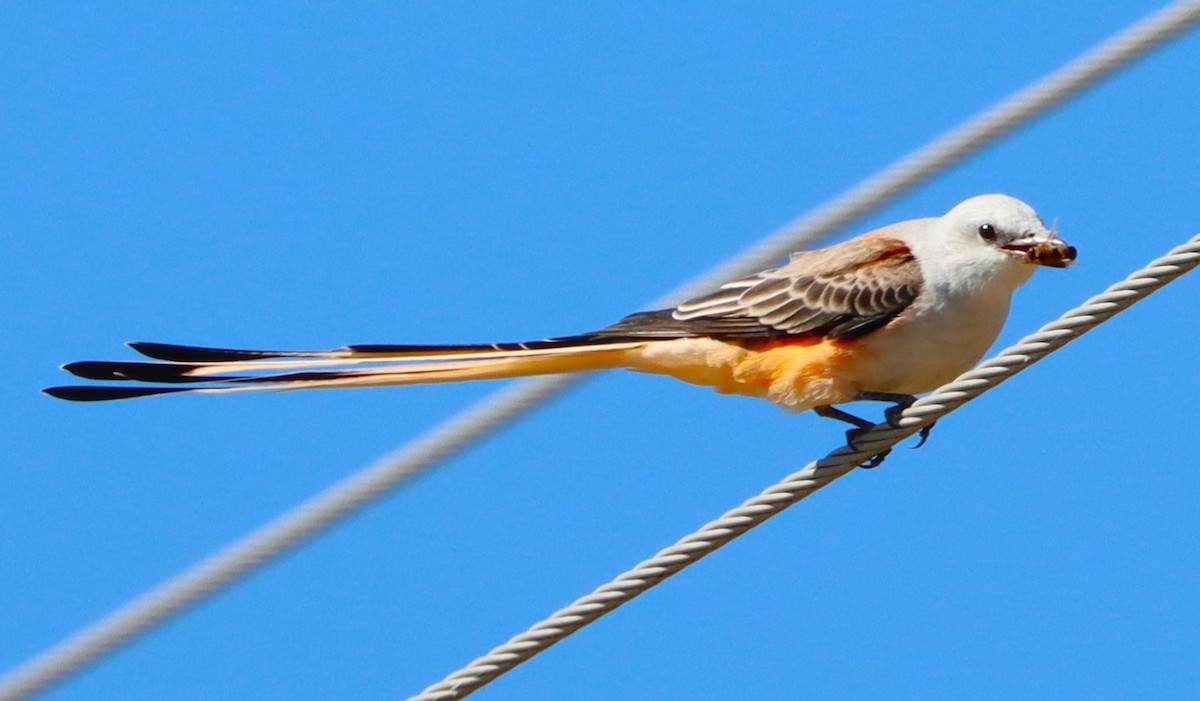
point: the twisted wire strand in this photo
(331, 506)
(815, 475)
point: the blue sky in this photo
(306, 176)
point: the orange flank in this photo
(800, 373)
(796, 373)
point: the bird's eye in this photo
(987, 232)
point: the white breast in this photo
(927, 347)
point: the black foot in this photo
(892, 413)
(903, 401)
(876, 461)
(852, 437)
(923, 435)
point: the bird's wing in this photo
(842, 291)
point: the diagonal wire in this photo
(815, 475)
(336, 503)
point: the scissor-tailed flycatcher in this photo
(883, 316)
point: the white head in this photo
(991, 238)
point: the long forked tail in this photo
(177, 369)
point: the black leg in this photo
(892, 413)
(831, 412)
(860, 425)
(900, 402)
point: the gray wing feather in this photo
(841, 291)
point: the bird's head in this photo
(1005, 229)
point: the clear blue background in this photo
(311, 175)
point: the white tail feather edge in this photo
(483, 366)
(206, 369)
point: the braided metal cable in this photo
(815, 475)
(338, 502)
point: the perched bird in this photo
(883, 316)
